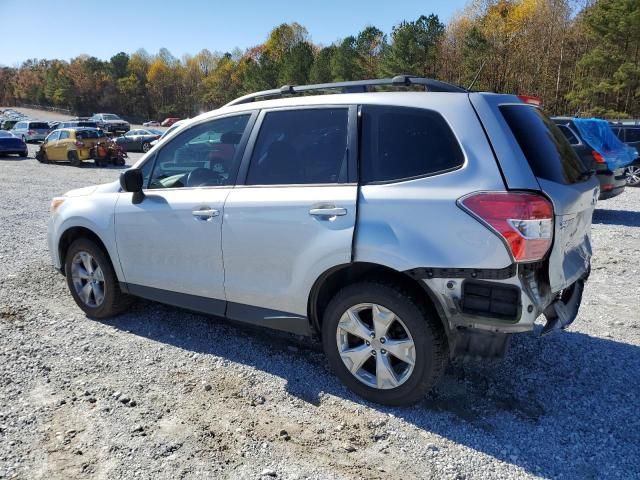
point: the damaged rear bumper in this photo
(482, 311)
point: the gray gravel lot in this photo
(164, 393)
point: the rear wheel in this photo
(92, 280)
(383, 344)
(146, 146)
(633, 175)
(74, 159)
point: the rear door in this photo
(292, 216)
(523, 135)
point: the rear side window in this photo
(633, 135)
(545, 147)
(570, 136)
(402, 143)
(296, 147)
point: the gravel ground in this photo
(164, 393)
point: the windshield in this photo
(39, 125)
(110, 116)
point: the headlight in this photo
(55, 203)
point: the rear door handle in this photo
(205, 214)
(328, 212)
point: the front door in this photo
(294, 216)
(169, 239)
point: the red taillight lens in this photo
(523, 220)
(31, 132)
(79, 144)
(597, 157)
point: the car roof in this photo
(405, 99)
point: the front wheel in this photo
(146, 146)
(633, 175)
(383, 344)
(92, 280)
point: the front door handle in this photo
(328, 212)
(205, 214)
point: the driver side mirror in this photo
(131, 180)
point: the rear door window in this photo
(400, 143)
(543, 144)
(301, 146)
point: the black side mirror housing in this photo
(131, 180)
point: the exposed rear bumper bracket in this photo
(562, 312)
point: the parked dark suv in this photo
(595, 153)
(630, 134)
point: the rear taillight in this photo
(597, 157)
(79, 144)
(31, 132)
(523, 220)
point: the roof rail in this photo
(357, 86)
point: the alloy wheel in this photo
(88, 279)
(375, 346)
(633, 175)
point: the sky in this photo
(64, 29)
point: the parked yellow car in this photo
(70, 144)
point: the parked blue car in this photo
(600, 150)
(12, 145)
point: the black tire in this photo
(431, 349)
(115, 302)
(74, 159)
(146, 146)
(41, 156)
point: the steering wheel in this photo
(203, 177)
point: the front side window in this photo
(52, 137)
(301, 146)
(202, 156)
(400, 143)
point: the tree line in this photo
(581, 57)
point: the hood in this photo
(599, 135)
(104, 188)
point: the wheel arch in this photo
(338, 277)
(72, 234)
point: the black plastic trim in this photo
(495, 295)
(479, 273)
(263, 317)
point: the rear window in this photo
(545, 147)
(39, 126)
(400, 143)
(88, 134)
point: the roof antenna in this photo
(475, 79)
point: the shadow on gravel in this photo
(13, 158)
(564, 405)
(625, 218)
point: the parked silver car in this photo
(402, 227)
(31, 130)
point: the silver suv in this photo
(401, 227)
